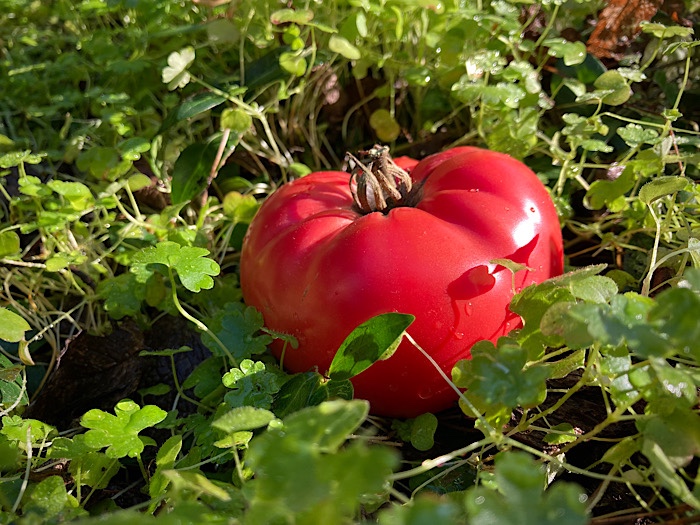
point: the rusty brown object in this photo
(618, 25)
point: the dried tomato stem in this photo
(376, 175)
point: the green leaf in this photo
(132, 148)
(384, 125)
(26, 431)
(560, 434)
(193, 267)
(660, 187)
(675, 315)
(192, 107)
(661, 31)
(343, 47)
(573, 53)
(573, 332)
(175, 73)
(421, 511)
(594, 289)
(293, 63)
(303, 472)
(48, 499)
(76, 193)
(243, 418)
(119, 432)
(12, 326)
(497, 378)
(191, 171)
(375, 339)
(295, 16)
(252, 385)
(635, 135)
(614, 82)
(238, 327)
(326, 426)
(138, 181)
(302, 390)
(165, 460)
(606, 192)
(15, 158)
(236, 119)
(423, 431)
(88, 467)
(122, 294)
(9, 244)
(241, 208)
(519, 496)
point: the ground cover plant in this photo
(137, 141)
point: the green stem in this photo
(199, 324)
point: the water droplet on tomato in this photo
(457, 334)
(507, 208)
(469, 308)
(532, 209)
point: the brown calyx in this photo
(379, 183)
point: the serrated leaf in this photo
(375, 339)
(251, 385)
(122, 295)
(175, 73)
(519, 496)
(193, 268)
(325, 427)
(119, 432)
(499, 378)
(635, 135)
(12, 326)
(238, 327)
(661, 186)
(297, 467)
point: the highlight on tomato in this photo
(333, 249)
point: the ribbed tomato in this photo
(328, 251)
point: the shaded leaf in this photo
(12, 326)
(375, 339)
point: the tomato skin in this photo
(316, 268)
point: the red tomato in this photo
(317, 267)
